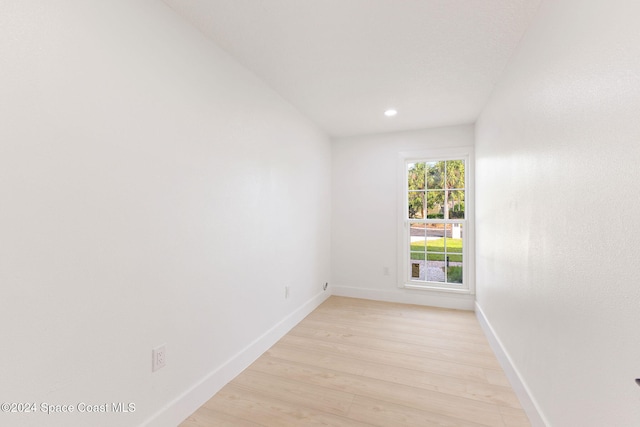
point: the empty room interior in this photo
(193, 192)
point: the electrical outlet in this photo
(385, 271)
(158, 357)
(286, 292)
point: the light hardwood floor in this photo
(356, 362)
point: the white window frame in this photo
(468, 248)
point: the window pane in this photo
(416, 204)
(454, 239)
(435, 175)
(417, 256)
(455, 174)
(435, 268)
(435, 237)
(455, 204)
(416, 269)
(416, 176)
(435, 204)
(454, 272)
(418, 234)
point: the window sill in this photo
(436, 288)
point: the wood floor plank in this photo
(210, 418)
(270, 412)
(385, 414)
(478, 390)
(399, 310)
(296, 392)
(514, 417)
(450, 342)
(392, 328)
(368, 363)
(485, 360)
(405, 323)
(323, 360)
(425, 364)
(450, 405)
(302, 365)
(497, 377)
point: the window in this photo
(435, 223)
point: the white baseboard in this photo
(527, 401)
(409, 296)
(180, 408)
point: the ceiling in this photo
(342, 63)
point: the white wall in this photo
(365, 213)
(557, 165)
(151, 191)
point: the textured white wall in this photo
(151, 191)
(557, 162)
(365, 213)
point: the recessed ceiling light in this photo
(390, 113)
